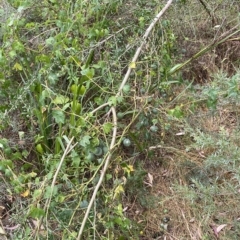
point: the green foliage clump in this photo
(62, 62)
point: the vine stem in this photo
(113, 110)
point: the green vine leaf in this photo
(58, 116)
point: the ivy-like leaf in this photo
(85, 141)
(112, 101)
(58, 116)
(88, 72)
(107, 127)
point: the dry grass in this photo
(195, 199)
(195, 29)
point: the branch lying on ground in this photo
(102, 173)
(113, 110)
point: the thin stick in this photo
(67, 150)
(145, 36)
(102, 173)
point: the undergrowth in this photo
(174, 165)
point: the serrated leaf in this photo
(112, 101)
(107, 127)
(59, 116)
(98, 100)
(37, 193)
(75, 161)
(119, 99)
(85, 141)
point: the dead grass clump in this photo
(195, 30)
(228, 55)
(164, 214)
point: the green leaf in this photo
(112, 101)
(81, 122)
(17, 67)
(84, 204)
(88, 72)
(43, 58)
(45, 94)
(108, 176)
(119, 99)
(36, 212)
(98, 100)
(32, 175)
(85, 141)
(50, 41)
(66, 106)
(52, 78)
(107, 127)
(75, 159)
(50, 192)
(2, 58)
(12, 54)
(6, 163)
(60, 99)
(154, 121)
(59, 116)
(36, 194)
(18, 46)
(176, 112)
